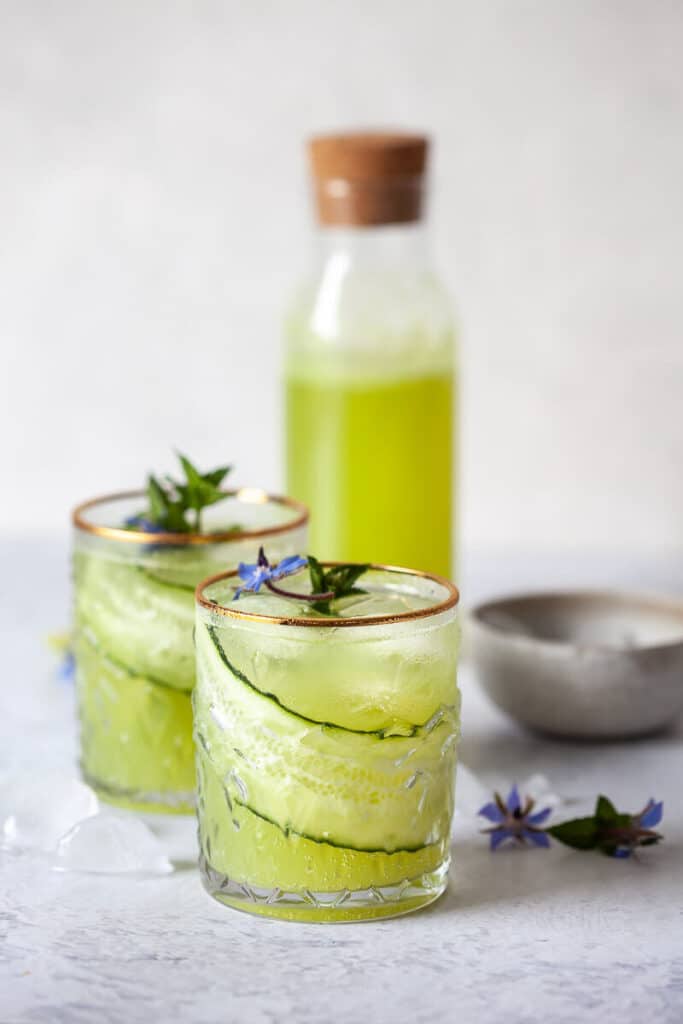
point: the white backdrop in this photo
(153, 214)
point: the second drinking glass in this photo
(134, 612)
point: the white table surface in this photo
(521, 936)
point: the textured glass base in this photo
(136, 800)
(326, 907)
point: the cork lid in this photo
(366, 178)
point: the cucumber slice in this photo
(418, 674)
(136, 736)
(246, 848)
(366, 791)
(181, 567)
(141, 622)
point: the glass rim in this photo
(248, 495)
(337, 622)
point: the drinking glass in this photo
(133, 625)
(326, 746)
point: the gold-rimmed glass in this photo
(133, 623)
(326, 746)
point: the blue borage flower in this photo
(326, 584)
(607, 830)
(66, 670)
(514, 821)
(610, 831)
(143, 524)
(253, 576)
(639, 831)
(62, 646)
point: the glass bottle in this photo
(369, 364)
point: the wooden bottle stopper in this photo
(368, 178)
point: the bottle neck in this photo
(382, 247)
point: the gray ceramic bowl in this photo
(582, 664)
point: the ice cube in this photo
(109, 844)
(379, 603)
(265, 603)
(539, 789)
(177, 834)
(36, 811)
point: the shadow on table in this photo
(521, 877)
(527, 878)
(515, 753)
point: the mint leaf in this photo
(605, 811)
(192, 475)
(579, 833)
(317, 574)
(171, 502)
(217, 476)
(158, 502)
(341, 579)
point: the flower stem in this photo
(327, 596)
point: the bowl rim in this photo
(671, 603)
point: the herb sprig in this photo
(607, 830)
(176, 506)
(330, 584)
(327, 585)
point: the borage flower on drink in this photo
(326, 584)
(514, 821)
(142, 523)
(253, 576)
(176, 506)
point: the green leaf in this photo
(171, 501)
(209, 495)
(192, 474)
(158, 501)
(217, 476)
(605, 811)
(175, 518)
(341, 578)
(579, 833)
(317, 574)
(323, 607)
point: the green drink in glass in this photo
(326, 744)
(133, 621)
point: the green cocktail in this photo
(134, 616)
(326, 746)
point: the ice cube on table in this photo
(177, 833)
(110, 844)
(539, 789)
(36, 811)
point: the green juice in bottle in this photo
(369, 371)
